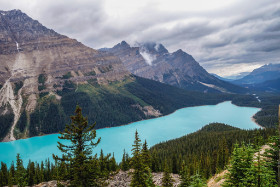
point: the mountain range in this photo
(153, 61)
(260, 75)
(44, 75)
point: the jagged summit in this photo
(153, 47)
(23, 28)
(124, 44)
(153, 61)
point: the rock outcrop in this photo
(123, 179)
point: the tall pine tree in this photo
(78, 152)
(20, 172)
(139, 178)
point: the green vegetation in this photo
(22, 122)
(139, 177)
(18, 86)
(91, 73)
(248, 168)
(77, 155)
(67, 76)
(41, 82)
(268, 116)
(202, 152)
(6, 123)
(48, 117)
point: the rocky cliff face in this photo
(35, 59)
(153, 61)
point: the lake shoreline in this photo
(132, 123)
(119, 125)
(156, 130)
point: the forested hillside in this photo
(114, 104)
(206, 151)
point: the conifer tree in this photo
(12, 180)
(1, 179)
(125, 161)
(146, 155)
(259, 174)
(155, 162)
(149, 176)
(20, 173)
(184, 176)
(166, 180)
(62, 172)
(241, 161)
(31, 173)
(197, 181)
(42, 172)
(139, 178)
(5, 174)
(78, 152)
(37, 174)
(272, 155)
(113, 163)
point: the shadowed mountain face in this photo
(153, 61)
(267, 86)
(44, 75)
(260, 75)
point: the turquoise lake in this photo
(116, 139)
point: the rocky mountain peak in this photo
(153, 61)
(183, 54)
(23, 28)
(36, 60)
(155, 48)
(122, 45)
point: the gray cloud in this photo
(246, 33)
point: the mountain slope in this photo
(259, 75)
(153, 61)
(35, 60)
(269, 86)
(44, 75)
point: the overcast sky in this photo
(225, 36)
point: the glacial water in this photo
(116, 139)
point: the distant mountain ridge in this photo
(260, 75)
(268, 86)
(153, 61)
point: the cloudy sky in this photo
(225, 36)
